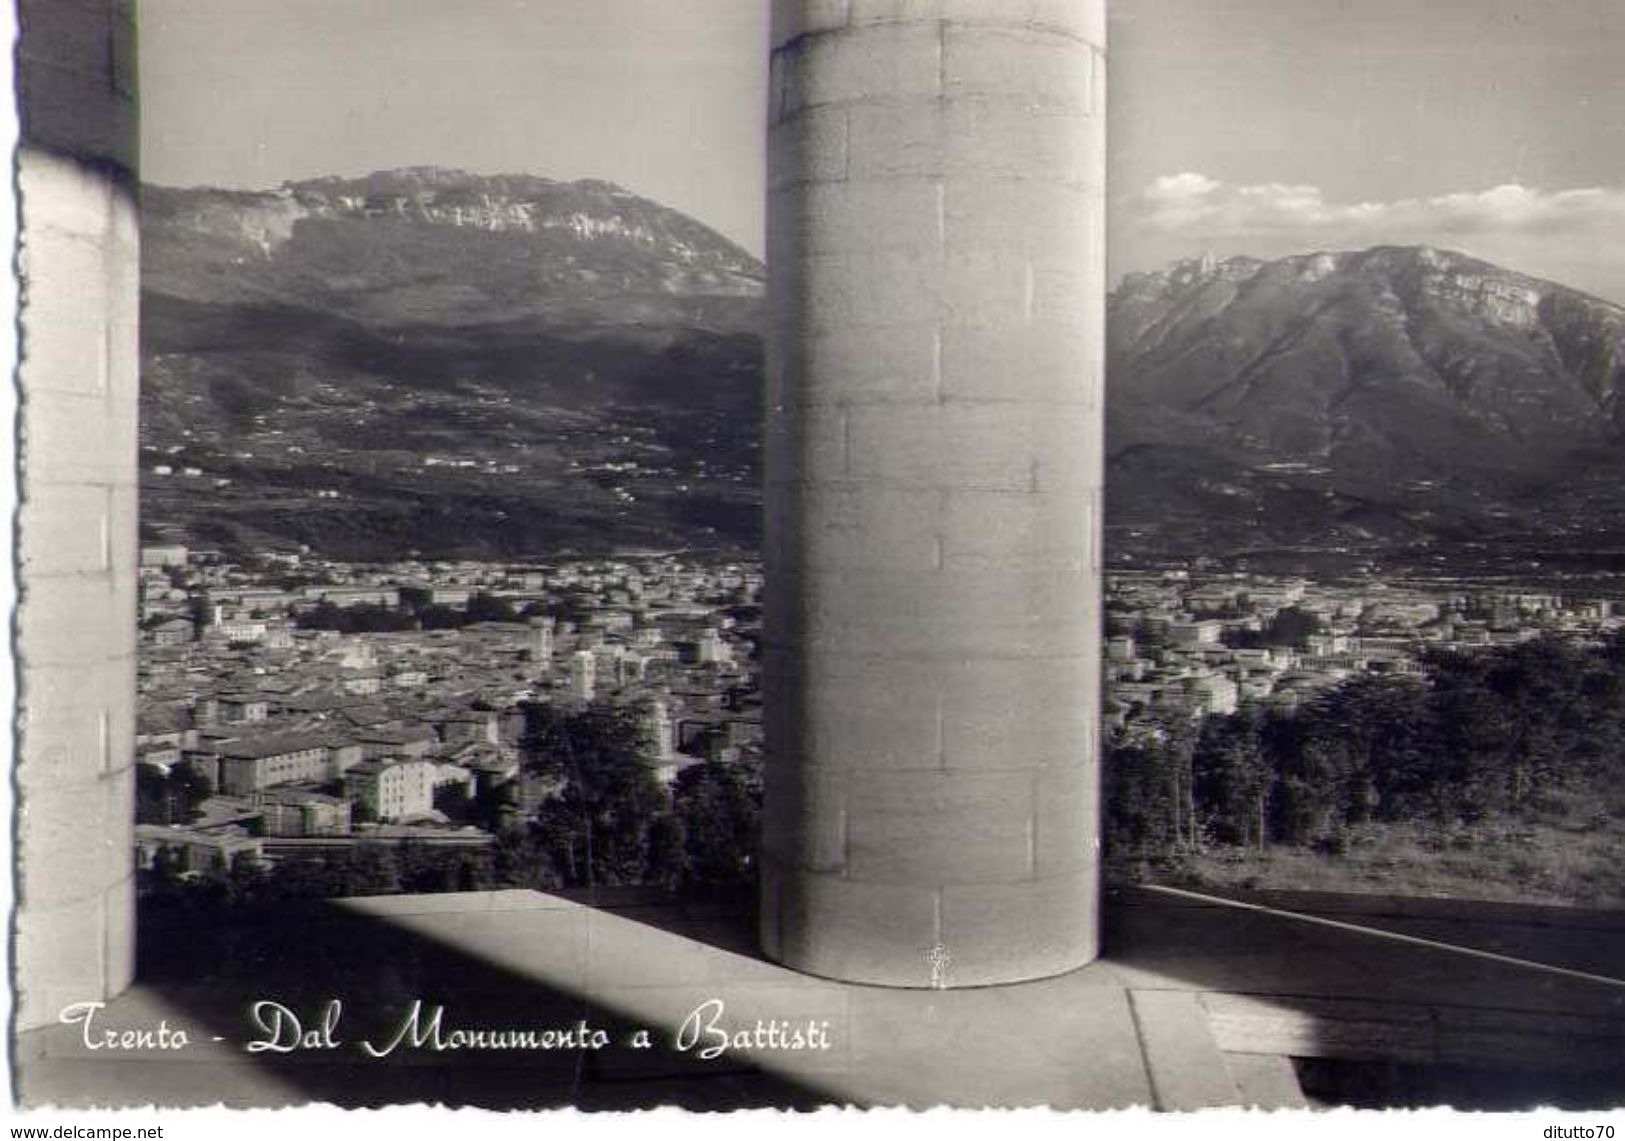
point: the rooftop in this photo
(1196, 1003)
(271, 745)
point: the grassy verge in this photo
(1539, 862)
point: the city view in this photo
(451, 725)
(302, 713)
(399, 431)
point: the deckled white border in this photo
(9, 427)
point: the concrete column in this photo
(936, 268)
(74, 927)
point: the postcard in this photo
(733, 556)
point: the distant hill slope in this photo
(1389, 395)
(427, 359)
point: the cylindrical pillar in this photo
(76, 623)
(933, 460)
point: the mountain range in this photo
(432, 360)
(461, 364)
(1372, 398)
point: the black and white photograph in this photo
(726, 555)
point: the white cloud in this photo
(1192, 205)
(1181, 187)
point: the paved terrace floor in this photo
(1197, 1003)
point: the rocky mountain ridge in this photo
(442, 246)
(1363, 396)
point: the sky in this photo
(1269, 127)
(661, 96)
(1263, 127)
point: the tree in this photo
(152, 805)
(1150, 793)
(442, 618)
(718, 811)
(1233, 778)
(1291, 627)
(423, 870)
(362, 618)
(371, 869)
(455, 802)
(247, 880)
(171, 797)
(609, 793)
(302, 878)
(484, 607)
(1311, 774)
(666, 859)
(573, 604)
(1175, 758)
(189, 789)
(1140, 809)
(523, 857)
(1375, 735)
(1475, 724)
